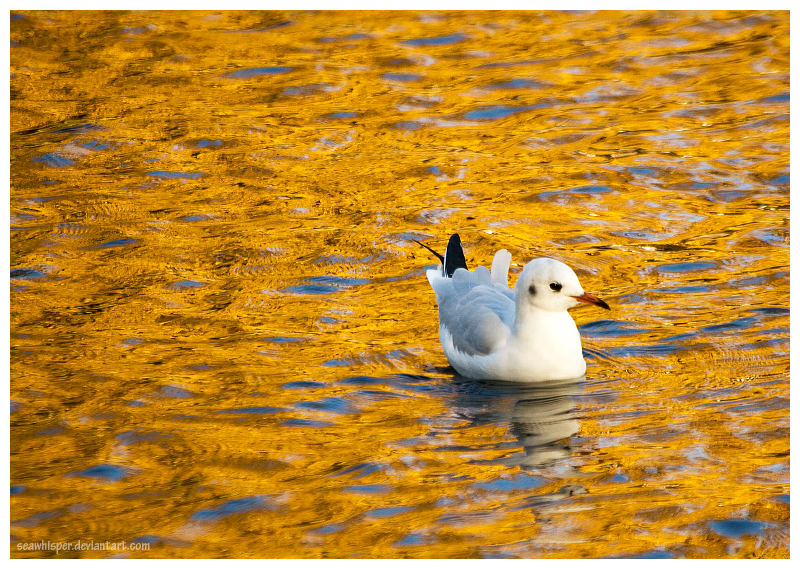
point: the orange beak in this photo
(592, 299)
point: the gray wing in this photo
(477, 315)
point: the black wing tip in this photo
(453, 257)
(438, 256)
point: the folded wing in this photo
(475, 310)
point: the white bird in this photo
(489, 331)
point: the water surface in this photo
(223, 343)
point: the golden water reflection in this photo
(222, 340)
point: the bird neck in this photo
(530, 320)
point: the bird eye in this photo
(555, 287)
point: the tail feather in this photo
(500, 266)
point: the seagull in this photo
(489, 331)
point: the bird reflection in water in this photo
(541, 415)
